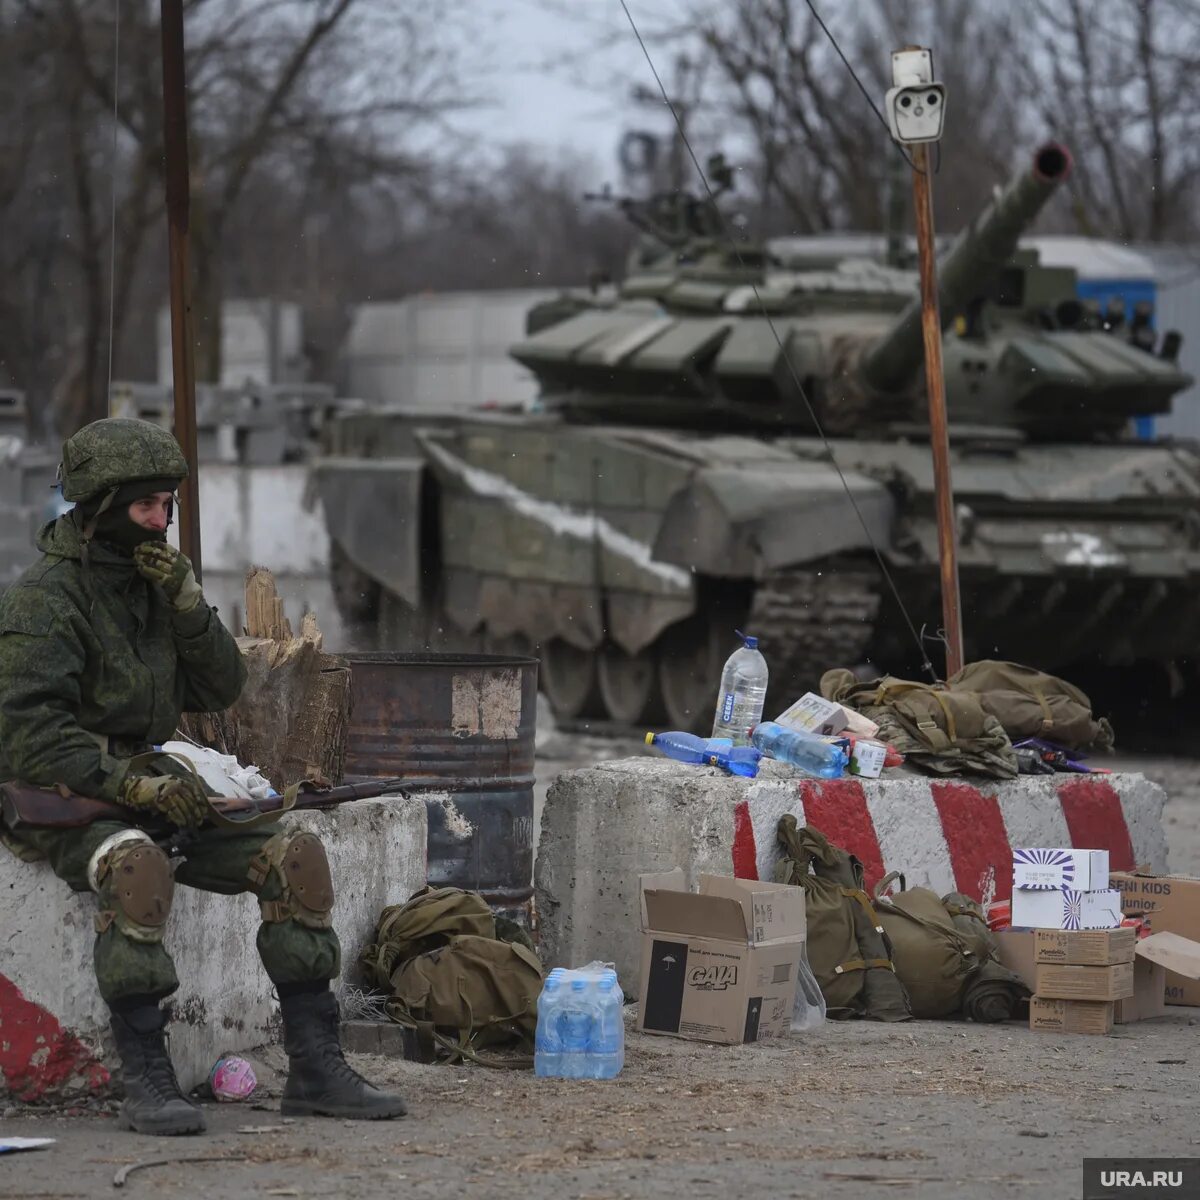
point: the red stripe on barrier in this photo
(745, 848)
(1097, 820)
(39, 1060)
(977, 839)
(838, 808)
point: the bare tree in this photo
(1122, 83)
(822, 153)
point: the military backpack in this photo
(846, 945)
(462, 980)
(1031, 703)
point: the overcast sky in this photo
(562, 72)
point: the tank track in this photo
(810, 619)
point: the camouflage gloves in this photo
(161, 563)
(181, 801)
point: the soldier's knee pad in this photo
(299, 863)
(134, 880)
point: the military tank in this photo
(674, 487)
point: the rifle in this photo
(25, 806)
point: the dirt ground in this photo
(927, 1109)
(931, 1109)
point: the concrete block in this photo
(54, 1041)
(605, 825)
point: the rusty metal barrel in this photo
(460, 729)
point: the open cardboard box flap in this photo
(740, 910)
(1176, 953)
(668, 907)
(771, 910)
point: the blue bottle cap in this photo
(751, 643)
(577, 985)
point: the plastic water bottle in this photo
(547, 1047)
(579, 1017)
(716, 752)
(743, 692)
(608, 1037)
(810, 753)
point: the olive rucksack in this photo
(460, 983)
(1031, 703)
(945, 954)
(845, 944)
(941, 731)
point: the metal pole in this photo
(939, 436)
(183, 375)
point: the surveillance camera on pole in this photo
(915, 104)
(915, 108)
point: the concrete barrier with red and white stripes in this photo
(603, 826)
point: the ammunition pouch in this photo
(299, 863)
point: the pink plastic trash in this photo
(232, 1078)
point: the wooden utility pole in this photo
(939, 435)
(178, 213)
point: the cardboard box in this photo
(1066, 909)
(1084, 947)
(719, 965)
(1017, 954)
(1084, 983)
(1068, 868)
(814, 714)
(1149, 997)
(1170, 904)
(1070, 1016)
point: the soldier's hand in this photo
(179, 800)
(161, 563)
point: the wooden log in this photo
(292, 716)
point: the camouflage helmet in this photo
(117, 450)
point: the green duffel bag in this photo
(1031, 703)
(933, 958)
(938, 730)
(473, 994)
(462, 979)
(845, 946)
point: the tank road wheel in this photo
(689, 671)
(568, 677)
(628, 684)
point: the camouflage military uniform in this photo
(118, 665)
(104, 643)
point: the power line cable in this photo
(867, 95)
(926, 665)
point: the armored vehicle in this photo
(675, 486)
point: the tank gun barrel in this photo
(978, 253)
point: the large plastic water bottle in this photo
(579, 1017)
(743, 692)
(547, 1046)
(810, 753)
(691, 748)
(608, 1037)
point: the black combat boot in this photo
(320, 1082)
(153, 1102)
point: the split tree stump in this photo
(292, 716)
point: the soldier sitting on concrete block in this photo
(103, 644)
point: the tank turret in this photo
(980, 252)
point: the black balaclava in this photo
(114, 526)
